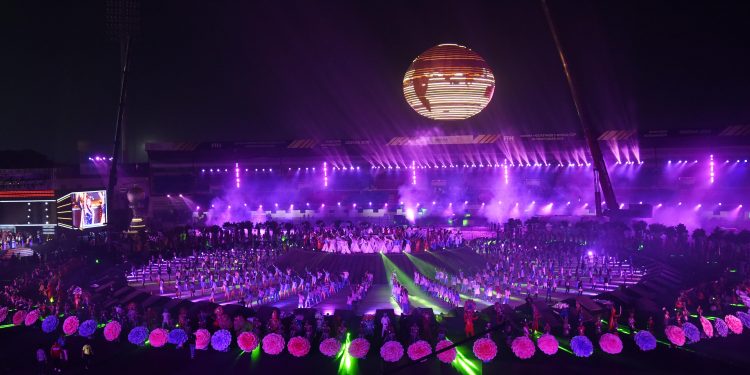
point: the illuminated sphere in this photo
(448, 82)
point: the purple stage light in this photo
(197, 207)
(169, 196)
(179, 195)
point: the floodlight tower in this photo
(123, 24)
(602, 183)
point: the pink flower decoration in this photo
(158, 337)
(247, 341)
(734, 323)
(298, 346)
(548, 344)
(33, 316)
(419, 350)
(112, 330)
(392, 351)
(611, 343)
(447, 356)
(330, 347)
(359, 348)
(675, 335)
(3, 314)
(202, 339)
(485, 349)
(70, 325)
(19, 317)
(708, 329)
(523, 347)
(273, 344)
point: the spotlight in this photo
(169, 196)
(197, 207)
(180, 195)
(590, 253)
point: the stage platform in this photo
(383, 266)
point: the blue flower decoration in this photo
(744, 318)
(138, 335)
(49, 324)
(645, 340)
(87, 328)
(582, 346)
(177, 336)
(221, 339)
(691, 332)
(721, 327)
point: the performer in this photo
(469, 318)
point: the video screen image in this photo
(83, 209)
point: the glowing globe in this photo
(448, 82)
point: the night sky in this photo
(270, 70)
